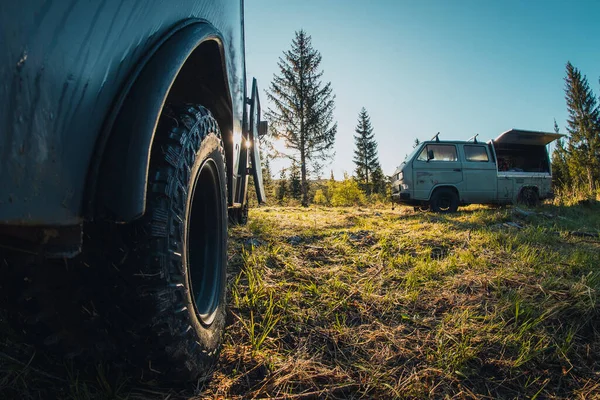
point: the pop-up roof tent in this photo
(518, 136)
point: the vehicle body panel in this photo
(64, 65)
(505, 189)
(514, 182)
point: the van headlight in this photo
(404, 186)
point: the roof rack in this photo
(473, 138)
(436, 137)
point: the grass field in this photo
(379, 303)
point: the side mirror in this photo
(430, 155)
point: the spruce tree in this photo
(267, 178)
(583, 126)
(295, 183)
(379, 181)
(330, 187)
(303, 107)
(560, 168)
(282, 186)
(365, 152)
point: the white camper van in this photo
(442, 175)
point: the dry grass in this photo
(363, 303)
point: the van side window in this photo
(476, 154)
(441, 152)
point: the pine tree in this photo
(330, 187)
(583, 126)
(295, 183)
(267, 178)
(365, 152)
(303, 107)
(379, 181)
(282, 186)
(560, 168)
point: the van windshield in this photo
(412, 154)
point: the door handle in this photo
(457, 169)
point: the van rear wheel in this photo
(529, 197)
(444, 200)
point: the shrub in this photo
(320, 198)
(347, 193)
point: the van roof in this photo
(451, 142)
(512, 136)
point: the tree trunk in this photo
(591, 182)
(303, 178)
(367, 174)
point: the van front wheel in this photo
(444, 200)
(172, 279)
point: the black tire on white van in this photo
(444, 200)
(529, 197)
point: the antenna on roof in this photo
(473, 138)
(436, 138)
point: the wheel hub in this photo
(204, 242)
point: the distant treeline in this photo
(287, 190)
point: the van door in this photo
(480, 174)
(443, 169)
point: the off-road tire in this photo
(137, 295)
(528, 197)
(444, 200)
(172, 279)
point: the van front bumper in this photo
(401, 196)
(404, 198)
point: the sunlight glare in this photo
(279, 144)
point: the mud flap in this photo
(257, 129)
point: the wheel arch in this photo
(187, 65)
(519, 198)
(437, 188)
(526, 187)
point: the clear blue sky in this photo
(419, 67)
